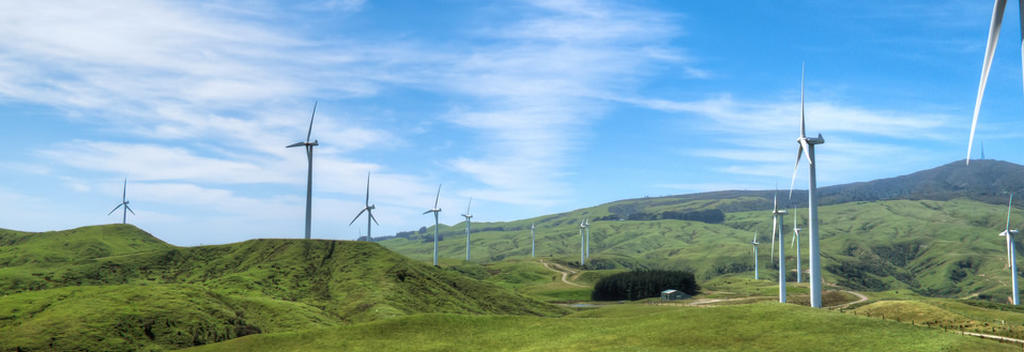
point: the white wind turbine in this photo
(796, 242)
(309, 177)
(369, 211)
(468, 217)
(436, 211)
(755, 243)
(583, 249)
(990, 49)
(124, 203)
(777, 220)
(1011, 251)
(806, 148)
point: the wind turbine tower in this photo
(777, 221)
(796, 242)
(533, 240)
(468, 219)
(990, 49)
(806, 149)
(436, 211)
(583, 249)
(369, 211)
(124, 203)
(755, 243)
(309, 177)
(1011, 251)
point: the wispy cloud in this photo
(759, 138)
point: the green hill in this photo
(945, 247)
(117, 288)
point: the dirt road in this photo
(562, 270)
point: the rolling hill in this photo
(932, 232)
(116, 287)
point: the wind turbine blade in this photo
(1009, 208)
(803, 127)
(438, 197)
(129, 209)
(115, 208)
(990, 49)
(792, 241)
(795, 168)
(124, 191)
(470, 205)
(310, 132)
(755, 238)
(374, 218)
(293, 145)
(773, 241)
(807, 150)
(357, 217)
(367, 188)
(426, 212)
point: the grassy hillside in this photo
(211, 293)
(752, 327)
(939, 248)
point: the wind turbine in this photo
(583, 249)
(1011, 251)
(309, 177)
(436, 211)
(755, 243)
(990, 49)
(796, 242)
(533, 240)
(468, 217)
(124, 203)
(369, 211)
(777, 220)
(807, 149)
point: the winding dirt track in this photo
(562, 270)
(861, 298)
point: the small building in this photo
(672, 295)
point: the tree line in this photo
(638, 284)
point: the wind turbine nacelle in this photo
(816, 140)
(371, 207)
(467, 216)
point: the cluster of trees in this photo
(634, 285)
(711, 216)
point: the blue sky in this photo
(529, 107)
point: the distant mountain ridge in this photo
(988, 181)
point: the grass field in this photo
(751, 327)
(118, 288)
